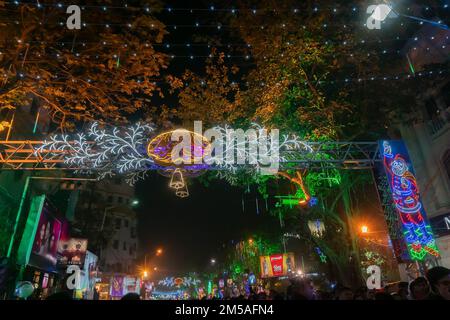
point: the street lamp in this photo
(213, 261)
(145, 274)
(135, 202)
(364, 229)
(159, 252)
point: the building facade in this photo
(428, 142)
(107, 206)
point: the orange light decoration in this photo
(364, 229)
(298, 180)
(193, 147)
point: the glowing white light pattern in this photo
(268, 149)
(186, 282)
(107, 152)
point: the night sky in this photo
(194, 229)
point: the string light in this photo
(209, 9)
(347, 80)
(235, 44)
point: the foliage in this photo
(88, 74)
(244, 256)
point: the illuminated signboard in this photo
(277, 265)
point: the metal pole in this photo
(104, 218)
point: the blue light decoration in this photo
(417, 232)
(251, 279)
(322, 256)
(313, 202)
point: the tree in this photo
(100, 72)
(213, 98)
(244, 256)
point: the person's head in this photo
(361, 293)
(419, 288)
(60, 296)
(344, 293)
(371, 294)
(383, 296)
(131, 296)
(439, 279)
(303, 289)
(403, 290)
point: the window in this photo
(133, 232)
(127, 201)
(117, 181)
(119, 199)
(118, 223)
(125, 223)
(446, 161)
(124, 246)
(116, 244)
(110, 199)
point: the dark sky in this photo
(193, 229)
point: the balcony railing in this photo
(438, 125)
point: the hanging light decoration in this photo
(177, 180)
(161, 148)
(182, 192)
(317, 228)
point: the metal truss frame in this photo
(26, 155)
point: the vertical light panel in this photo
(417, 232)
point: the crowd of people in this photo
(435, 286)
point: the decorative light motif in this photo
(317, 228)
(182, 192)
(177, 180)
(179, 281)
(127, 151)
(405, 194)
(322, 256)
(161, 148)
(254, 155)
(289, 147)
(107, 151)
